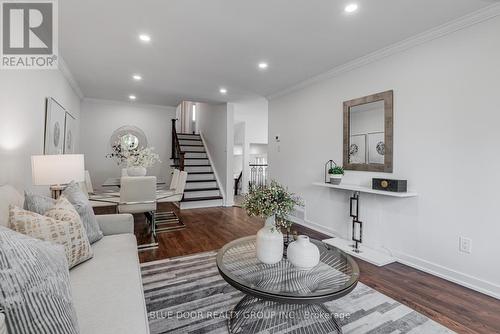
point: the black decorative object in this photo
(398, 186)
(329, 164)
(354, 213)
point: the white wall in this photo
(99, 118)
(215, 124)
(255, 115)
(22, 119)
(446, 116)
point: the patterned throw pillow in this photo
(75, 195)
(61, 225)
(34, 280)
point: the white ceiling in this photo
(199, 46)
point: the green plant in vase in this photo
(273, 203)
(336, 174)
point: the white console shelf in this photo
(370, 255)
(361, 189)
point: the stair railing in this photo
(258, 175)
(178, 155)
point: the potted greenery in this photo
(336, 174)
(273, 203)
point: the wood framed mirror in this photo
(368, 133)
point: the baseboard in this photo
(474, 283)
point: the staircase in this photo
(201, 190)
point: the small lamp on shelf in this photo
(57, 170)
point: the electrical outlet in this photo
(465, 245)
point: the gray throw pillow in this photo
(35, 285)
(75, 196)
(37, 203)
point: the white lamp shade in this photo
(57, 169)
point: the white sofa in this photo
(107, 290)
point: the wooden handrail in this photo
(177, 154)
(237, 183)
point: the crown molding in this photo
(63, 67)
(127, 103)
(463, 22)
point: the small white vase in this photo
(269, 245)
(136, 171)
(303, 254)
(335, 179)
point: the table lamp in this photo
(57, 170)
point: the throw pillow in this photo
(75, 195)
(61, 225)
(35, 285)
(37, 203)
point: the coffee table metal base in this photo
(254, 315)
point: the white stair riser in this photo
(205, 193)
(200, 177)
(195, 155)
(196, 162)
(201, 204)
(196, 185)
(191, 169)
(189, 142)
(184, 137)
(193, 148)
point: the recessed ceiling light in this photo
(351, 8)
(137, 77)
(223, 91)
(132, 97)
(145, 38)
(263, 65)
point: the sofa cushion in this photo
(75, 195)
(35, 286)
(107, 290)
(37, 203)
(8, 196)
(61, 225)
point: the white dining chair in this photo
(169, 221)
(138, 195)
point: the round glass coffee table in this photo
(280, 298)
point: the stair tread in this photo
(200, 172)
(195, 158)
(200, 189)
(196, 199)
(188, 134)
(190, 181)
(193, 145)
(190, 139)
(192, 165)
(194, 152)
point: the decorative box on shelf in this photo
(399, 186)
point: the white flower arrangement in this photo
(143, 157)
(138, 157)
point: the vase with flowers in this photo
(273, 203)
(136, 160)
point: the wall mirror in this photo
(130, 137)
(368, 133)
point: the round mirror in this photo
(129, 141)
(130, 137)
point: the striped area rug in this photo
(187, 295)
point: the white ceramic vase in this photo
(136, 171)
(269, 245)
(335, 179)
(303, 254)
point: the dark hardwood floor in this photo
(458, 308)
